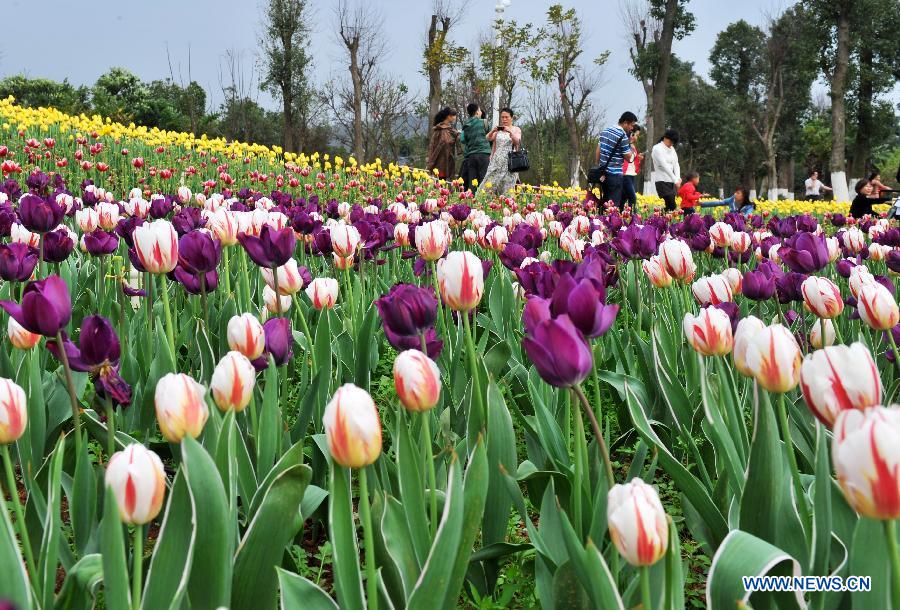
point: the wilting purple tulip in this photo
(192, 283)
(17, 262)
(559, 351)
(805, 253)
(161, 206)
(512, 256)
(46, 307)
(97, 353)
(757, 286)
(845, 265)
(537, 279)
(128, 291)
(188, 219)
(272, 248)
(788, 287)
(199, 252)
(100, 242)
(58, 245)
(39, 215)
(582, 302)
(433, 345)
(408, 309)
(279, 339)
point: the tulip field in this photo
(240, 378)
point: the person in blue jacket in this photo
(739, 202)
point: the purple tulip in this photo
(128, 291)
(198, 252)
(584, 305)
(192, 283)
(460, 212)
(160, 207)
(279, 339)
(58, 245)
(788, 287)
(38, 182)
(734, 312)
(100, 242)
(805, 253)
(537, 279)
(38, 214)
(46, 307)
(188, 219)
(839, 220)
(893, 261)
(408, 309)
(559, 351)
(757, 286)
(17, 262)
(513, 255)
(125, 228)
(272, 248)
(433, 345)
(98, 354)
(636, 242)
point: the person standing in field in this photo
(814, 187)
(613, 150)
(666, 173)
(476, 148)
(442, 146)
(506, 138)
(632, 168)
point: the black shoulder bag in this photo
(518, 160)
(597, 174)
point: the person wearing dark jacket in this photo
(476, 148)
(442, 147)
(862, 203)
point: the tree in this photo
(286, 61)
(651, 28)
(439, 50)
(360, 31)
(555, 59)
(737, 61)
(41, 92)
(119, 95)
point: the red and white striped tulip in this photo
(497, 238)
(156, 245)
(815, 334)
(866, 456)
(822, 297)
(87, 219)
(289, 279)
(275, 303)
(345, 239)
(735, 279)
(401, 233)
(656, 272)
(20, 337)
(709, 332)
(461, 280)
(877, 307)
(712, 290)
(323, 292)
(417, 380)
(638, 524)
(246, 335)
(721, 233)
(138, 482)
(180, 407)
(232, 382)
(108, 214)
(741, 242)
(773, 357)
(859, 277)
(838, 378)
(13, 411)
(352, 427)
(432, 239)
(747, 328)
(677, 259)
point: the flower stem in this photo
(645, 588)
(227, 271)
(137, 560)
(110, 427)
(473, 364)
(170, 332)
(365, 514)
(601, 442)
(890, 335)
(309, 337)
(432, 479)
(20, 514)
(76, 411)
(792, 460)
(890, 532)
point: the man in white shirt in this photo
(666, 172)
(814, 187)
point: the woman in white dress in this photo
(506, 138)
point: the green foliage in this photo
(42, 92)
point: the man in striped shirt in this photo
(614, 148)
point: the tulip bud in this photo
(866, 456)
(417, 380)
(712, 290)
(815, 334)
(232, 382)
(838, 378)
(136, 478)
(461, 280)
(13, 411)
(676, 257)
(656, 272)
(180, 408)
(637, 522)
(720, 234)
(859, 277)
(156, 244)
(344, 239)
(289, 278)
(342, 263)
(774, 358)
(245, 335)
(432, 239)
(877, 307)
(401, 233)
(19, 336)
(87, 219)
(275, 303)
(709, 333)
(352, 427)
(822, 297)
(323, 292)
(747, 328)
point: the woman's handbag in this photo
(518, 161)
(597, 174)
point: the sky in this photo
(79, 40)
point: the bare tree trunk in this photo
(660, 83)
(572, 128)
(356, 78)
(288, 123)
(435, 87)
(838, 112)
(862, 144)
(651, 136)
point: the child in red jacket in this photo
(689, 193)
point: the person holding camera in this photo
(506, 138)
(476, 148)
